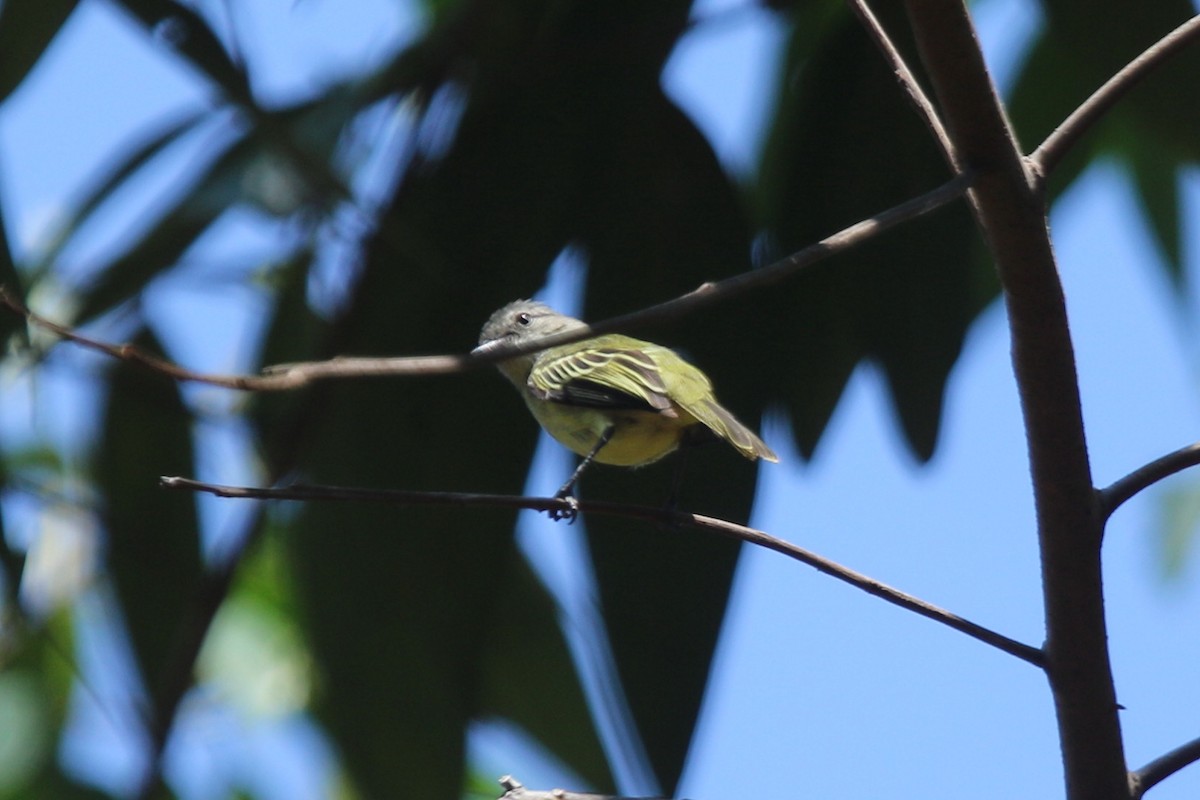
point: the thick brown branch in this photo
(1112, 497)
(1050, 152)
(1010, 209)
(1164, 767)
(294, 376)
(666, 516)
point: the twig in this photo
(294, 376)
(907, 81)
(1010, 208)
(1164, 767)
(674, 518)
(286, 376)
(1050, 152)
(1112, 497)
(514, 790)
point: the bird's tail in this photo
(718, 419)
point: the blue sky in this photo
(819, 689)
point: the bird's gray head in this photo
(523, 321)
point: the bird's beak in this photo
(487, 348)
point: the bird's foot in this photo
(570, 512)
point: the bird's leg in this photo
(681, 458)
(564, 492)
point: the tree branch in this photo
(1164, 767)
(514, 790)
(669, 517)
(1050, 152)
(908, 81)
(1112, 497)
(1010, 209)
(294, 376)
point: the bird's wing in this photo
(602, 376)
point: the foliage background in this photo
(567, 131)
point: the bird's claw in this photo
(569, 513)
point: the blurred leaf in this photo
(399, 616)
(37, 683)
(1158, 185)
(294, 333)
(104, 186)
(1152, 130)
(1179, 522)
(153, 535)
(663, 218)
(531, 679)
(171, 235)
(905, 301)
(26, 29)
(10, 323)
(281, 168)
(184, 30)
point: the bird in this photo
(612, 399)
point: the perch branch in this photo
(1164, 767)
(1050, 152)
(869, 585)
(294, 376)
(1112, 497)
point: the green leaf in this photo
(904, 301)
(1152, 129)
(153, 535)
(530, 678)
(26, 29)
(664, 218)
(1179, 521)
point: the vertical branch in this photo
(1010, 209)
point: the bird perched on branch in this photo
(612, 398)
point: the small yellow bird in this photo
(612, 399)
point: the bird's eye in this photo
(523, 318)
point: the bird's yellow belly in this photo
(640, 437)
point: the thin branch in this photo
(1112, 497)
(908, 82)
(1009, 206)
(294, 376)
(1050, 152)
(742, 533)
(1164, 767)
(514, 790)
(284, 376)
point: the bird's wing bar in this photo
(601, 377)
